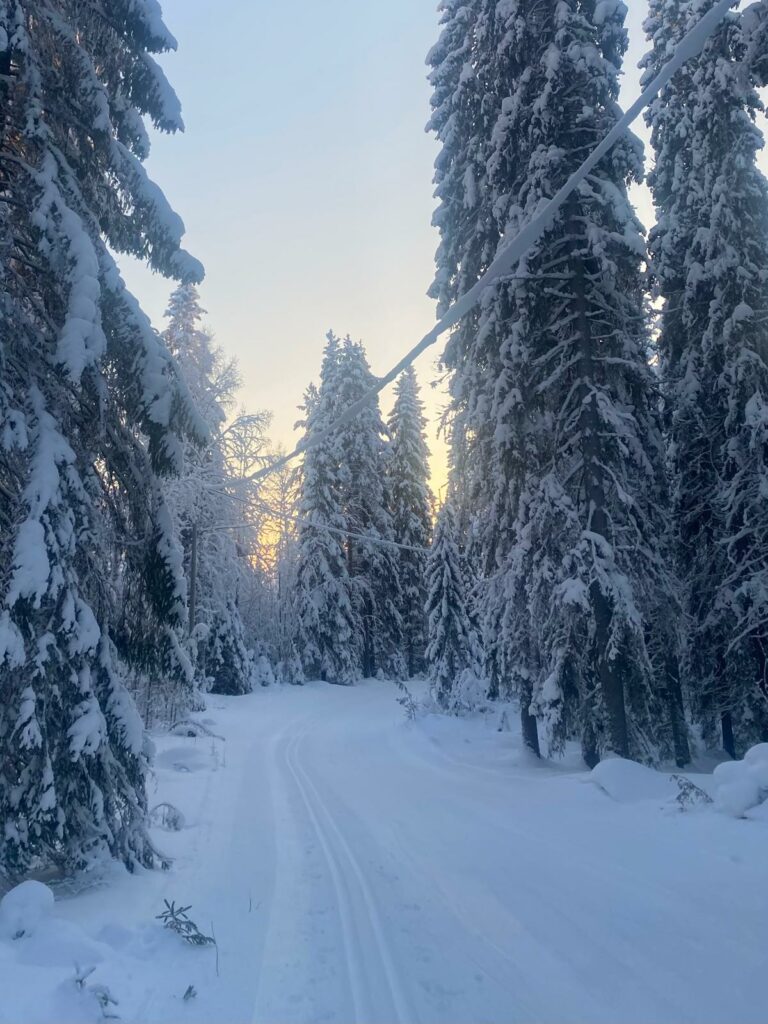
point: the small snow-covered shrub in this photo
(100, 993)
(263, 673)
(742, 785)
(470, 693)
(193, 729)
(290, 669)
(167, 817)
(408, 702)
(689, 794)
(24, 908)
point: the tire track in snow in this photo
(355, 909)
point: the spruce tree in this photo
(561, 402)
(328, 628)
(90, 413)
(206, 497)
(710, 250)
(464, 102)
(412, 501)
(452, 648)
(372, 560)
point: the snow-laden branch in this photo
(516, 248)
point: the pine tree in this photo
(452, 647)
(207, 497)
(560, 400)
(412, 501)
(710, 250)
(328, 629)
(90, 413)
(373, 564)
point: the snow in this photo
(11, 643)
(630, 782)
(355, 866)
(81, 340)
(31, 568)
(151, 14)
(24, 909)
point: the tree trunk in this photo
(729, 744)
(530, 730)
(606, 669)
(589, 748)
(369, 657)
(5, 91)
(677, 713)
(493, 683)
(762, 669)
(193, 581)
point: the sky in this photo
(304, 181)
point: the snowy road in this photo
(358, 869)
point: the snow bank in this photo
(741, 786)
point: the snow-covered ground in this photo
(355, 867)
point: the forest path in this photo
(361, 869)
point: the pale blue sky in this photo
(304, 180)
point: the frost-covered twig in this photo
(177, 919)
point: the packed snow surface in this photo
(357, 867)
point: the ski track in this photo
(360, 916)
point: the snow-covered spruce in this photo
(411, 507)
(464, 102)
(556, 397)
(347, 583)
(327, 625)
(373, 567)
(90, 412)
(452, 647)
(210, 495)
(710, 251)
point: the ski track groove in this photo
(329, 834)
(342, 896)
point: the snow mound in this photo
(24, 908)
(628, 782)
(742, 785)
